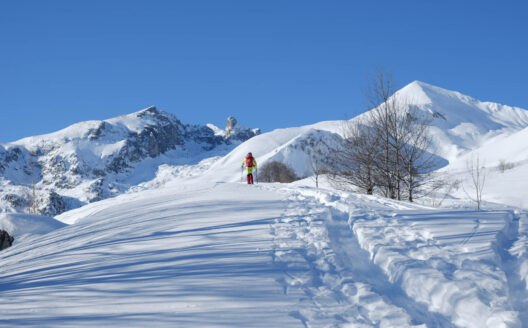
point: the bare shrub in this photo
(478, 179)
(504, 166)
(319, 162)
(276, 171)
(442, 189)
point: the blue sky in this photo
(271, 63)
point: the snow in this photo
(188, 245)
(508, 188)
(216, 130)
(285, 145)
(93, 160)
(172, 258)
(198, 253)
(135, 122)
(508, 147)
(22, 226)
(505, 187)
(458, 108)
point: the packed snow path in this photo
(442, 268)
(349, 289)
(268, 256)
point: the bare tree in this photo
(388, 119)
(355, 159)
(318, 164)
(478, 179)
(416, 158)
(379, 97)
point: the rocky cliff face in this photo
(94, 160)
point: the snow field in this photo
(169, 258)
(193, 253)
(21, 226)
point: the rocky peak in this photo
(151, 110)
(93, 160)
(231, 123)
(236, 133)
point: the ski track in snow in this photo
(479, 267)
(341, 285)
(514, 259)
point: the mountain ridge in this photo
(93, 160)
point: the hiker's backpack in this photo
(250, 161)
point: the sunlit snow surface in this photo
(193, 253)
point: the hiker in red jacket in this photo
(250, 164)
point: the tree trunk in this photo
(411, 182)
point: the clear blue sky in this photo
(269, 63)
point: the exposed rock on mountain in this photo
(5, 240)
(94, 160)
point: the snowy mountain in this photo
(465, 128)
(184, 244)
(462, 123)
(459, 123)
(94, 160)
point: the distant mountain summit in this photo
(460, 123)
(456, 108)
(93, 160)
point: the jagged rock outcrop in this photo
(231, 123)
(5, 240)
(234, 132)
(15, 200)
(51, 204)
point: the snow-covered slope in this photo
(292, 146)
(504, 162)
(509, 147)
(21, 226)
(227, 254)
